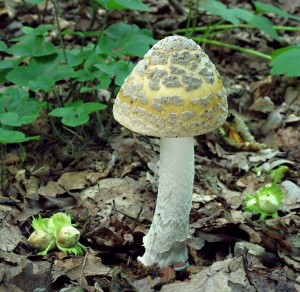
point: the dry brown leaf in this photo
(10, 237)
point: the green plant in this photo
(32, 62)
(267, 199)
(265, 202)
(76, 113)
(123, 4)
(56, 232)
(17, 109)
(224, 18)
(40, 73)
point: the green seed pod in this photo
(41, 240)
(68, 236)
(268, 203)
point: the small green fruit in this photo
(266, 201)
(41, 240)
(67, 237)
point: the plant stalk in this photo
(232, 26)
(233, 47)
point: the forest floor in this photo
(109, 184)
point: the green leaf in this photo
(89, 107)
(10, 63)
(75, 120)
(32, 43)
(48, 67)
(35, 46)
(123, 4)
(80, 34)
(121, 38)
(260, 22)
(120, 69)
(10, 119)
(263, 23)
(40, 30)
(3, 46)
(62, 112)
(42, 47)
(41, 83)
(286, 61)
(77, 57)
(10, 136)
(263, 7)
(16, 101)
(6, 66)
(218, 8)
(76, 113)
(34, 1)
(234, 15)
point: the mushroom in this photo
(175, 93)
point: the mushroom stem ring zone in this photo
(176, 93)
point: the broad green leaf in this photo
(10, 136)
(123, 4)
(48, 66)
(77, 57)
(20, 50)
(3, 46)
(120, 69)
(32, 43)
(121, 38)
(234, 15)
(91, 73)
(263, 7)
(260, 22)
(10, 119)
(76, 113)
(10, 63)
(81, 34)
(218, 8)
(42, 48)
(16, 101)
(40, 30)
(62, 112)
(89, 107)
(35, 46)
(286, 61)
(34, 1)
(41, 83)
(6, 66)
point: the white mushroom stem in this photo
(165, 243)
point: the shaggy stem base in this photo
(165, 241)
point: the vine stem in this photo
(59, 30)
(104, 24)
(233, 47)
(232, 26)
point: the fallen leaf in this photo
(10, 237)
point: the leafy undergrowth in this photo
(107, 182)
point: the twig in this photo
(49, 277)
(246, 265)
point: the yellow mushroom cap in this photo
(174, 91)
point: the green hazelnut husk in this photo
(265, 202)
(41, 240)
(68, 236)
